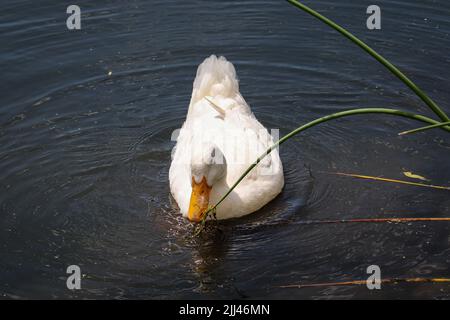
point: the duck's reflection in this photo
(212, 245)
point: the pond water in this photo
(86, 119)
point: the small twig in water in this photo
(374, 220)
(388, 180)
(363, 282)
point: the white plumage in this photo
(220, 123)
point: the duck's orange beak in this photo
(199, 200)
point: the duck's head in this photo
(208, 166)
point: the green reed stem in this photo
(430, 103)
(437, 125)
(314, 123)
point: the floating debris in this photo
(389, 180)
(411, 175)
(363, 282)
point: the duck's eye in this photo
(213, 153)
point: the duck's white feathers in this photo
(238, 135)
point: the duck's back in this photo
(238, 134)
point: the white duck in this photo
(218, 141)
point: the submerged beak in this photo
(199, 200)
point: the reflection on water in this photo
(85, 155)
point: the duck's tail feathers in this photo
(215, 77)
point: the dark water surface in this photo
(84, 156)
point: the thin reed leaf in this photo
(417, 184)
(376, 220)
(363, 282)
(421, 94)
(437, 125)
(317, 122)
